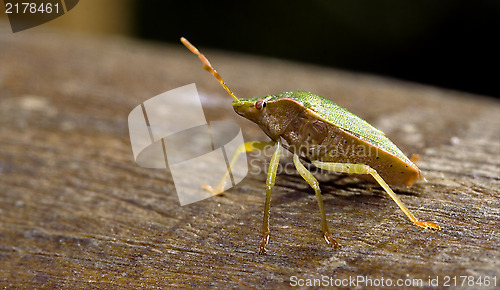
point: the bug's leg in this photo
(313, 182)
(247, 147)
(271, 177)
(365, 169)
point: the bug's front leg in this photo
(243, 148)
(313, 182)
(365, 169)
(271, 177)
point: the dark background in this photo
(450, 44)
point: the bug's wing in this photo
(336, 115)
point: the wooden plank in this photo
(76, 211)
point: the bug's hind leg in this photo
(365, 169)
(313, 182)
(246, 147)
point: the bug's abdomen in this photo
(315, 139)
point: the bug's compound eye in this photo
(260, 104)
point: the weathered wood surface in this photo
(76, 211)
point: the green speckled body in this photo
(318, 129)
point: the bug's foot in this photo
(427, 225)
(213, 191)
(265, 240)
(329, 240)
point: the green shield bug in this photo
(328, 136)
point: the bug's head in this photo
(270, 115)
(252, 109)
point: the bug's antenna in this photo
(208, 67)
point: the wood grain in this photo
(76, 211)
